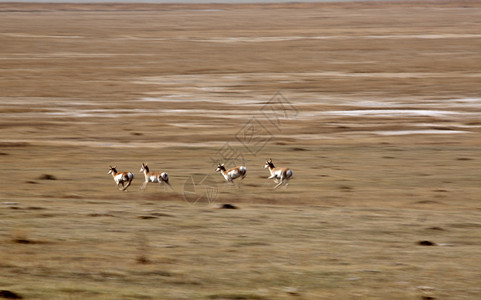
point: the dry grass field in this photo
(375, 106)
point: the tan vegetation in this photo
(374, 106)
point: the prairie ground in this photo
(374, 106)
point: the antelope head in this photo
(112, 170)
(220, 168)
(269, 164)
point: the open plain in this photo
(375, 106)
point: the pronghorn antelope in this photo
(278, 173)
(123, 179)
(159, 177)
(233, 173)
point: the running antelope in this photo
(278, 173)
(233, 173)
(159, 177)
(123, 179)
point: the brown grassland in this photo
(375, 106)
